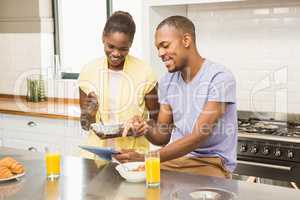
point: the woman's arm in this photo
(89, 107)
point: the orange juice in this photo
(52, 165)
(152, 168)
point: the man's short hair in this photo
(180, 23)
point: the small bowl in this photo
(126, 171)
(107, 129)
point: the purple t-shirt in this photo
(213, 82)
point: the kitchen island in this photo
(84, 179)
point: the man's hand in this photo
(137, 125)
(128, 155)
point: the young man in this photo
(197, 122)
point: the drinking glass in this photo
(52, 162)
(152, 169)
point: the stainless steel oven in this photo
(269, 148)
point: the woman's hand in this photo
(128, 155)
(137, 125)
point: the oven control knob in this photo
(254, 149)
(266, 151)
(243, 148)
(290, 154)
(277, 153)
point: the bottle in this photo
(35, 90)
(41, 93)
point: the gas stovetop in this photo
(269, 129)
(269, 148)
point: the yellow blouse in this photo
(137, 80)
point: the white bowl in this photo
(125, 170)
(107, 129)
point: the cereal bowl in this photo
(132, 171)
(107, 129)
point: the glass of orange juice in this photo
(152, 169)
(52, 161)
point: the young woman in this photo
(117, 87)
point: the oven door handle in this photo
(286, 168)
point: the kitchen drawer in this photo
(71, 146)
(37, 133)
(73, 129)
(35, 124)
(35, 136)
(32, 145)
(76, 134)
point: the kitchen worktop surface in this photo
(83, 179)
(53, 108)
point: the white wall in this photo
(260, 45)
(258, 42)
(26, 42)
(22, 54)
(134, 7)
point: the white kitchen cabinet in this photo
(37, 133)
(71, 147)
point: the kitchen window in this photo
(78, 29)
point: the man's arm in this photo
(158, 129)
(201, 131)
(160, 133)
(151, 101)
(157, 133)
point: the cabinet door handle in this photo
(31, 124)
(32, 149)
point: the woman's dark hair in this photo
(122, 22)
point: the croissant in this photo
(5, 172)
(12, 164)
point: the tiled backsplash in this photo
(24, 54)
(260, 45)
(20, 53)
